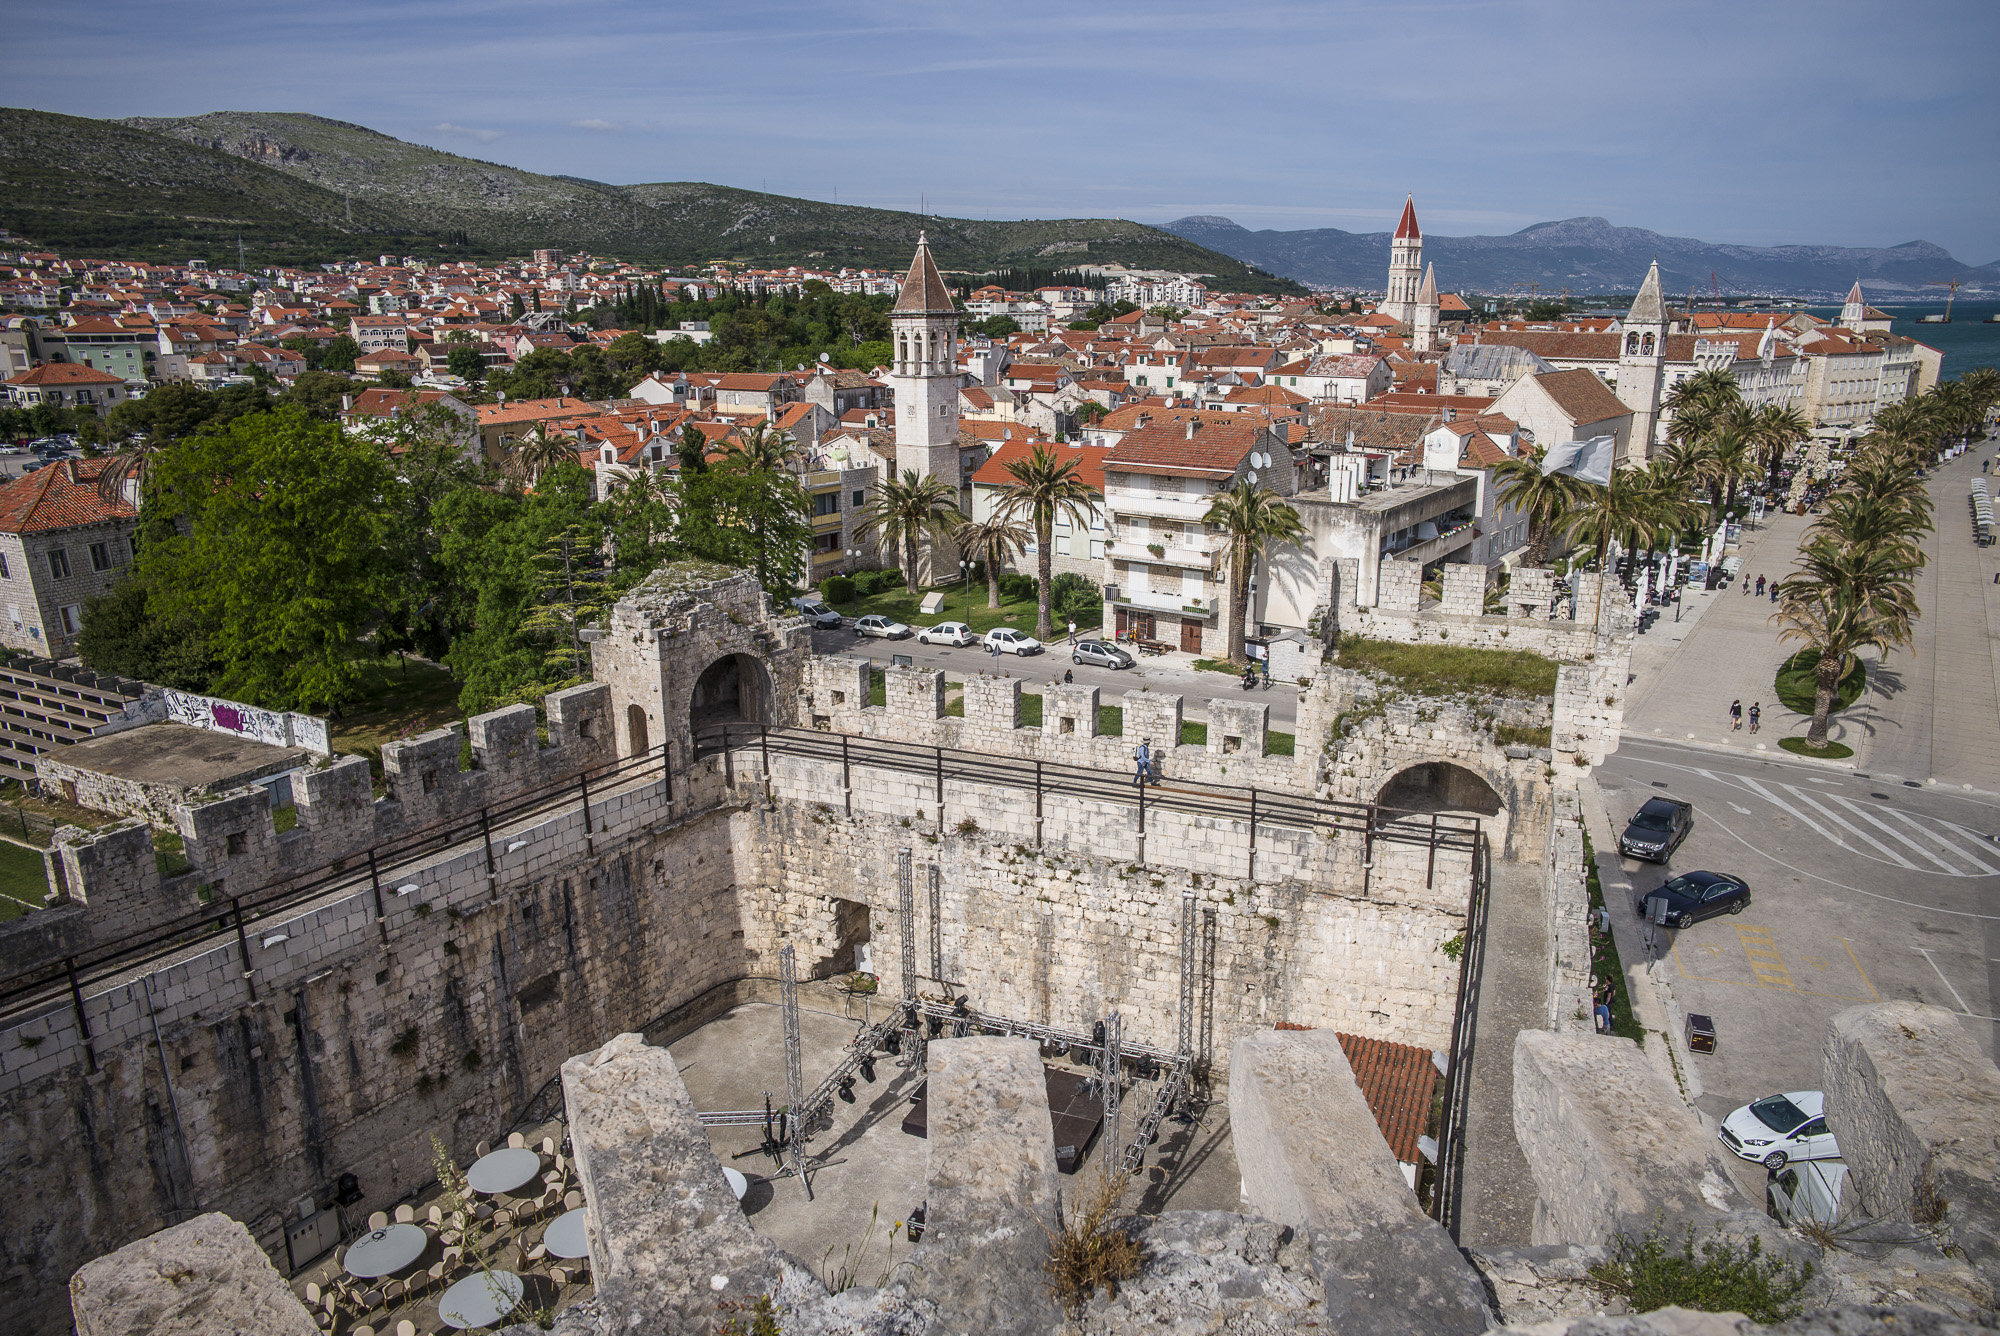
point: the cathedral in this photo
(1413, 294)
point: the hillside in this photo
(280, 172)
(1587, 255)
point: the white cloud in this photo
(447, 128)
(593, 123)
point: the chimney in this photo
(347, 403)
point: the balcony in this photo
(827, 523)
(1182, 508)
(1152, 601)
(821, 481)
(1435, 549)
(1170, 554)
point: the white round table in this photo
(738, 1184)
(567, 1235)
(503, 1171)
(481, 1299)
(385, 1251)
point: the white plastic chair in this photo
(378, 1220)
(515, 1141)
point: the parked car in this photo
(1102, 653)
(875, 624)
(1808, 1191)
(946, 633)
(1657, 829)
(821, 616)
(1777, 1129)
(1009, 641)
(1694, 896)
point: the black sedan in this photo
(1694, 896)
(1657, 829)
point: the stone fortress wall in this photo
(353, 1035)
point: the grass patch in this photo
(1280, 744)
(1448, 670)
(902, 606)
(1832, 751)
(394, 698)
(1521, 735)
(1604, 959)
(1218, 666)
(1723, 1276)
(1797, 688)
(878, 686)
(23, 880)
(170, 853)
(1111, 721)
(954, 708)
(1193, 734)
(35, 818)
(1088, 1249)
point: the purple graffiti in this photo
(226, 716)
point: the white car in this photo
(946, 633)
(1009, 641)
(1777, 1129)
(874, 624)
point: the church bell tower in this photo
(1406, 267)
(1642, 360)
(924, 378)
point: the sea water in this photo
(1967, 342)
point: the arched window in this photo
(1632, 344)
(1646, 349)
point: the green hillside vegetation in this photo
(144, 186)
(97, 188)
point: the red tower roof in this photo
(1408, 227)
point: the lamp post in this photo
(853, 556)
(965, 569)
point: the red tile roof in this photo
(60, 496)
(65, 373)
(923, 290)
(1397, 1081)
(1581, 395)
(1089, 462)
(1214, 450)
(1407, 226)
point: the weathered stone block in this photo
(203, 1276)
(1914, 1105)
(1236, 728)
(1312, 1157)
(1610, 1144)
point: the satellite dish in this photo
(840, 453)
(1251, 475)
(500, 395)
(826, 357)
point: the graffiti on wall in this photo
(275, 727)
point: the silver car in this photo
(1101, 653)
(874, 624)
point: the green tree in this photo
(278, 548)
(538, 452)
(744, 516)
(123, 634)
(904, 514)
(339, 354)
(993, 542)
(642, 523)
(320, 393)
(570, 594)
(1041, 487)
(465, 362)
(1544, 500)
(1252, 518)
(996, 327)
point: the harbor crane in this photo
(1953, 285)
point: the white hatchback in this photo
(1009, 641)
(1777, 1129)
(946, 633)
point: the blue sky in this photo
(1752, 122)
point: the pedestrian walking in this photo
(1735, 715)
(1774, 591)
(1144, 758)
(1756, 714)
(1760, 586)
(1072, 635)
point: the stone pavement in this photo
(1498, 1198)
(1931, 714)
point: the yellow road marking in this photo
(1872, 995)
(1765, 961)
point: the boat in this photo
(1934, 319)
(1993, 319)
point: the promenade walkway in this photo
(1928, 714)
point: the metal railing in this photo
(1448, 1188)
(1261, 808)
(234, 916)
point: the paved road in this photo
(1160, 674)
(1863, 889)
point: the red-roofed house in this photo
(1077, 548)
(67, 385)
(61, 542)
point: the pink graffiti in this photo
(226, 716)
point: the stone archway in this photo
(1440, 786)
(735, 689)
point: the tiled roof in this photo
(1397, 1081)
(65, 373)
(1407, 225)
(1581, 395)
(1389, 432)
(1216, 449)
(1089, 462)
(59, 496)
(923, 290)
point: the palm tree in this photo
(1636, 509)
(904, 513)
(1777, 429)
(1545, 499)
(537, 453)
(1043, 487)
(763, 449)
(1252, 518)
(992, 540)
(1837, 621)
(1728, 457)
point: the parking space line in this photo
(1894, 834)
(1762, 953)
(1873, 996)
(1963, 1010)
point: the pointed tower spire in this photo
(1648, 308)
(923, 291)
(1854, 313)
(1407, 229)
(1427, 295)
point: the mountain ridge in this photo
(1586, 254)
(302, 187)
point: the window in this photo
(5, 574)
(826, 542)
(132, 541)
(58, 563)
(860, 498)
(826, 503)
(100, 556)
(72, 618)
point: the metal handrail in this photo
(1448, 1185)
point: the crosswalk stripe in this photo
(1849, 826)
(1954, 847)
(1785, 807)
(1892, 833)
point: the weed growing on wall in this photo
(1088, 1246)
(1723, 1275)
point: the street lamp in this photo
(965, 569)
(853, 556)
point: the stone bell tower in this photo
(1642, 359)
(924, 329)
(1406, 266)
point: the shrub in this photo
(406, 1043)
(837, 589)
(1070, 593)
(870, 583)
(1726, 1276)
(1088, 1250)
